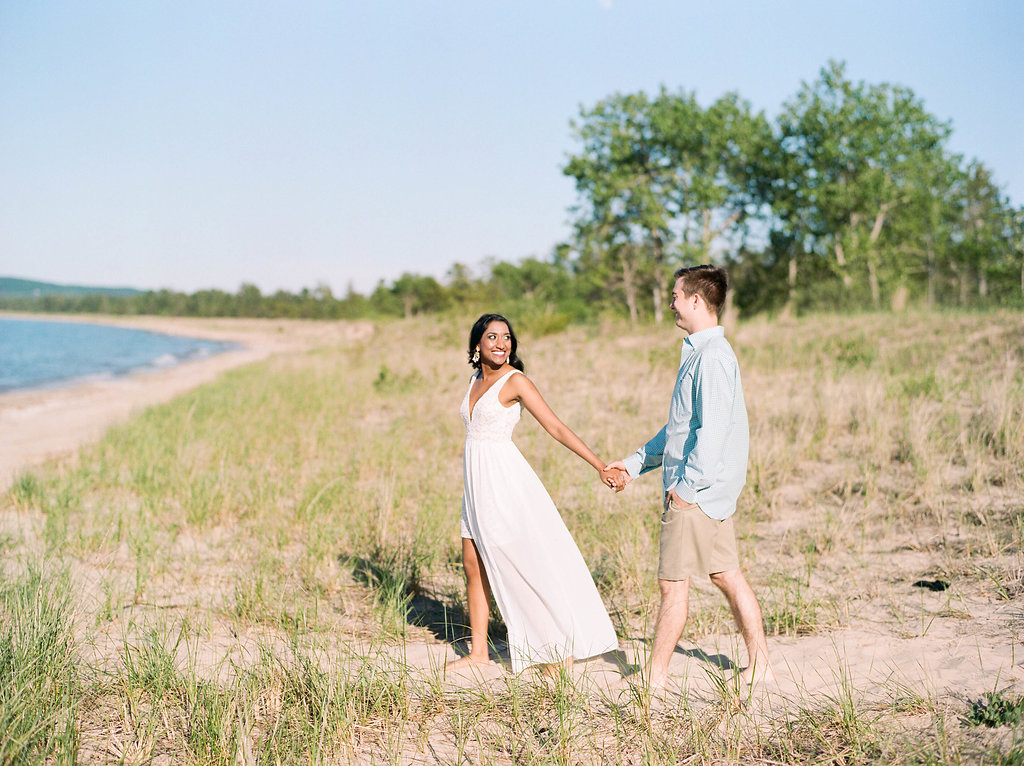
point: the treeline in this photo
(849, 199)
(544, 293)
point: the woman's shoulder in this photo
(508, 377)
(516, 380)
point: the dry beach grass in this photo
(265, 569)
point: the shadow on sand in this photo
(393, 579)
(720, 661)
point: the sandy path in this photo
(39, 425)
(869, 669)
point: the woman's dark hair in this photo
(480, 326)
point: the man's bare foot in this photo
(646, 688)
(757, 674)
(656, 682)
(469, 661)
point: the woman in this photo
(514, 543)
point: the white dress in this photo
(539, 579)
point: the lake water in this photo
(40, 354)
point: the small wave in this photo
(164, 360)
(198, 353)
(169, 360)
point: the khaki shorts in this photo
(694, 544)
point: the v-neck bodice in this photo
(490, 419)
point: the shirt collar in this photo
(700, 339)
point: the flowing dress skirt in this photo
(541, 583)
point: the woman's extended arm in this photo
(521, 388)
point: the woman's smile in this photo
(495, 343)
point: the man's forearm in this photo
(648, 457)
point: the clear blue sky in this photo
(204, 144)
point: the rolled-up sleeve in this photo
(648, 457)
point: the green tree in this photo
(354, 305)
(622, 221)
(417, 294)
(249, 301)
(1015, 224)
(662, 182)
(982, 243)
(851, 155)
(464, 290)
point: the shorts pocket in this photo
(673, 509)
(670, 512)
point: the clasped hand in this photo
(615, 476)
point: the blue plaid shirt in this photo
(703, 448)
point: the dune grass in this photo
(41, 692)
(233, 577)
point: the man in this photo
(703, 453)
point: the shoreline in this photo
(43, 424)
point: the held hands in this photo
(615, 476)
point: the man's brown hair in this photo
(709, 282)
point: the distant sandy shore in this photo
(42, 424)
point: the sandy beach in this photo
(294, 547)
(44, 424)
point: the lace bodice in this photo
(491, 421)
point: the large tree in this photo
(664, 181)
(982, 245)
(624, 212)
(853, 156)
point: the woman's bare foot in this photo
(469, 661)
(554, 669)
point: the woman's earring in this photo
(476, 356)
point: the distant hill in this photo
(27, 288)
